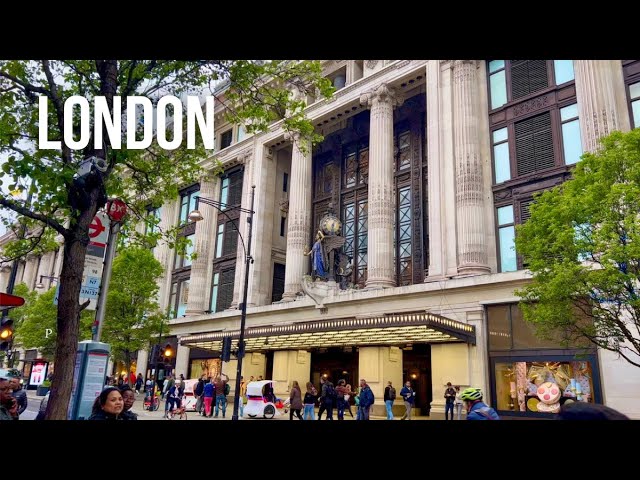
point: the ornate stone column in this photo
(203, 247)
(472, 243)
(168, 218)
(599, 83)
(299, 228)
(247, 181)
(380, 249)
(265, 208)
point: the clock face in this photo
(331, 225)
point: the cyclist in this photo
(476, 408)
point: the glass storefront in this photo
(210, 367)
(543, 385)
(532, 376)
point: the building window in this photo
(283, 222)
(356, 167)
(497, 83)
(534, 144)
(506, 239)
(356, 237)
(634, 95)
(277, 289)
(571, 142)
(219, 240)
(563, 70)
(501, 161)
(188, 203)
(225, 289)
(182, 261)
(404, 258)
(230, 241)
(285, 182)
(404, 151)
(224, 191)
(241, 133)
(179, 297)
(214, 291)
(510, 80)
(226, 138)
(153, 220)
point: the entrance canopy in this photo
(401, 329)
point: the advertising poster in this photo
(38, 373)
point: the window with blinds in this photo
(225, 289)
(230, 241)
(534, 144)
(528, 76)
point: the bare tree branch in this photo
(57, 103)
(16, 207)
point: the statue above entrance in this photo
(330, 266)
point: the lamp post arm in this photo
(217, 205)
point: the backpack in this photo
(227, 389)
(330, 392)
(392, 393)
(486, 413)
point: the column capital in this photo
(458, 63)
(383, 93)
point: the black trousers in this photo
(295, 411)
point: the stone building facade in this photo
(429, 165)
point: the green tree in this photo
(35, 322)
(132, 314)
(67, 203)
(582, 245)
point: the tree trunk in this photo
(68, 321)
(85, 200)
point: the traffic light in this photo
(226, 349)
(6, 334)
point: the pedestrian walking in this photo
(409, 397)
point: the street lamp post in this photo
(197, 216)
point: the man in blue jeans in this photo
(389, 397)
(450, 397)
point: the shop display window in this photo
(542, 387)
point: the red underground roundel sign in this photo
(9, 301)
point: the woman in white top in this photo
(458, 403)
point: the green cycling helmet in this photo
(471, 394)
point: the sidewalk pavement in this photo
(159, 414)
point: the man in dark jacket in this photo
(409, 397)
(389, 397)
(327, 398)
(198, 392)
(19, 394)
(366, 400)
(449, 397)
(8, 404)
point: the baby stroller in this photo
(151, 402)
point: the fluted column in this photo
(299, 228)
(472, 242)
(599, 86)
(381, 219)
(263, 220)
(168, 218)
(247, 182)
(30, 270)
(203, 247)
